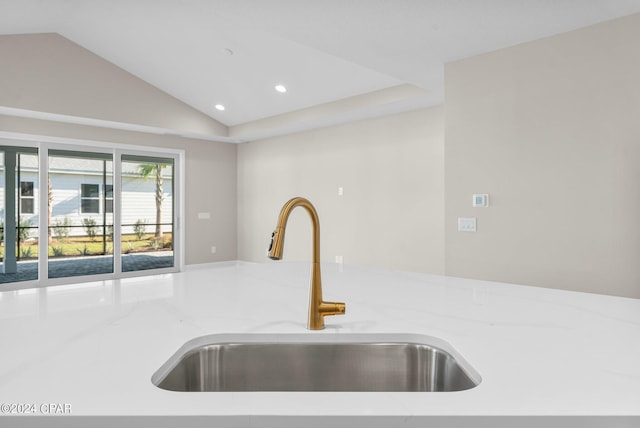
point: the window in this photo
(89, 198)
(26, 197)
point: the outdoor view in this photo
(80, 214)
(147, 187)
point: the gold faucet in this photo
(318, 309)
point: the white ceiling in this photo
(322, 50)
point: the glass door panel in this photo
(80, 214)
(19, 214)
(147, 213)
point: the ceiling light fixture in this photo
(281, 88)
(219, 107)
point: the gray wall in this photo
(49, 73)
(551, 129)
(391, 212)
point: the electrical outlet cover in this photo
(466, 224)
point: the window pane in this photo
(81, 242)
(19, 229)
(147, 213)
(26, 188)
(26, 206)
(90, 191)
(90, 206)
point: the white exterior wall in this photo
(138, 200)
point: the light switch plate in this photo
(466, 224)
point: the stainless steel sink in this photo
(316, 363)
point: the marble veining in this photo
(538, 351)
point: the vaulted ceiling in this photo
(339, 60)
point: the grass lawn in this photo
(85, 246)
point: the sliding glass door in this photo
(85, 214)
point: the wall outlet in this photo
(213, 250)
(339, 260)
(466, 224)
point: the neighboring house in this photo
(83, 188)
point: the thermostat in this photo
(481, 200)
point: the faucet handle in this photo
(332, 308)
(316, 317)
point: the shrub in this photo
(25, 231)
(140, 228)
(61, 229)
(90, 227)
(26, 252)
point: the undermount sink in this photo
(363, 362)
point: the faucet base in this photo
(316, 318)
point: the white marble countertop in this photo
(540, 352)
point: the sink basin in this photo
(411, 363)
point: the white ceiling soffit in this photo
(328, 53)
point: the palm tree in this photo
(49, 209)
(155, 170)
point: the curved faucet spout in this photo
(277, 237)
(318, 308)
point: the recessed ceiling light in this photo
(219, 107)
(281, 88)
